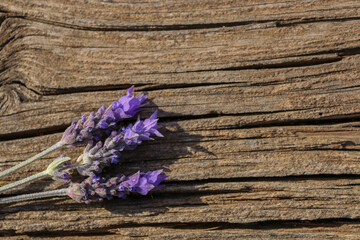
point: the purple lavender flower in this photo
(142, 130)
(143, 182)
(96, 125)
(126, 107)
(99, 155)
(119, 186)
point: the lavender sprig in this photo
(91, 127)
(120, 186)
(99, 155)
(87, 191)
(95, 126)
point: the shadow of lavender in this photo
(162, 153)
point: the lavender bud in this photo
(61, 169)
(108, 188)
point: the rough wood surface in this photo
(259, 103)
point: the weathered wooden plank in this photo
(227, 95)
(315, 90)
(152, 15)
(339, 230)
(298, 231)
(330, 90)
(81, 59)
(216, 148)
(231, 202)
(301, 230)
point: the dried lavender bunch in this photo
(99, 155)
(92, 127)
(107, 188)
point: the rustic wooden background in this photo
(259, 103)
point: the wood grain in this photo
(152, 15)
(259, 103)
(226, 202)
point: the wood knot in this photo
(12, 95)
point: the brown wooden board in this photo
(259, 103)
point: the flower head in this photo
(142, 130)
(119, 186)
(94, 126)
(126, 107)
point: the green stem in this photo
(30, 160)
(33, 196)
(23, 181)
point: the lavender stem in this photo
(32, 159)
(33, 196)
(23, 181)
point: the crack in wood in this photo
(174, 27)
(290, 178)
(147, 28)
(292, 22)
(204, 226)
